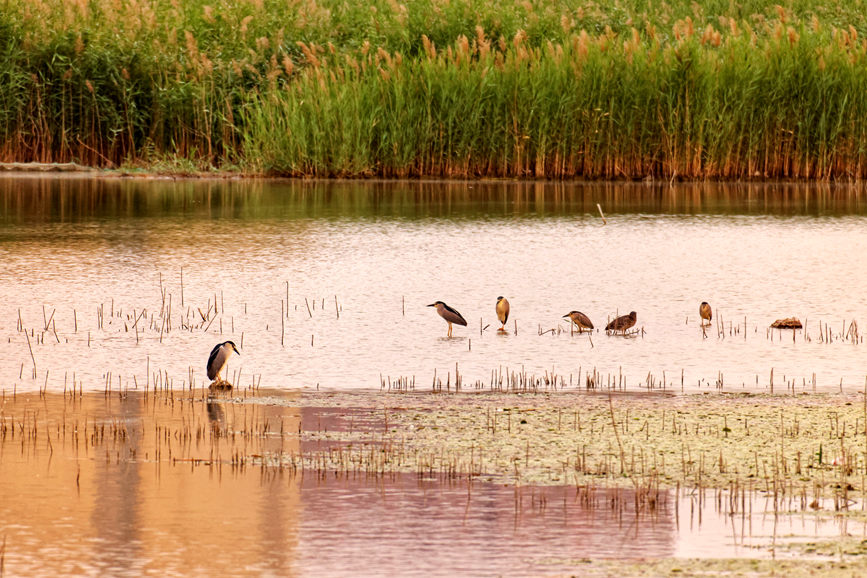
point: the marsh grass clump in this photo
(802, 452)
(450, 89)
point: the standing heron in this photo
(502, 312)
(218, 358)
(622, 323)
(580, 320)
(705, 313)
(449, 314)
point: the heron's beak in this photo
(431, 305)
(567, 315)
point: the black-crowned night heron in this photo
(218, 358)
(449, 314)
(705, 313)
(623, 322)
(502, 312)
(580, 320)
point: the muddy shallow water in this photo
(118, 289)
(128, 283)
(168, 484)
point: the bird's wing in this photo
(459, 319)
(212, 373)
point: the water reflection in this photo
(65, 199)
(154, 484)
(123, 282)
(133, 485)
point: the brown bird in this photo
(705, 313)
(622, 323)
(580, 320)
(502, 312)
(450, 314)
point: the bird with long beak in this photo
(449, 314)
(580, 320)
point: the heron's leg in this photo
(450, 330)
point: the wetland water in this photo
(130, 282)
(127, 284)
(165, 484)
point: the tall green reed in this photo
(439, 88)
(786, 103)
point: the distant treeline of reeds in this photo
(307, 91)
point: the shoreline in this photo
(73, 170)
(249, 438)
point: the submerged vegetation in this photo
(437, 88)
(736, 477)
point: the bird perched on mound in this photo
(502, 312)
(580, 320)
(218, 358)
(449, 314)
(623, 322)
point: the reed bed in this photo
(803, 453)
(453, 89)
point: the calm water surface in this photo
(325, 284)
(148, 485)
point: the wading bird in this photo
(502, 312)
(449, 314)
(580, 320)
(218, 358)
(705, 313)
(622, 323)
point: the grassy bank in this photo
(435, 88)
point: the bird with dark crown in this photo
(580, 320)
(449, 314)
(218, 358)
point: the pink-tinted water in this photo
(127, 283)
(150, 485)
